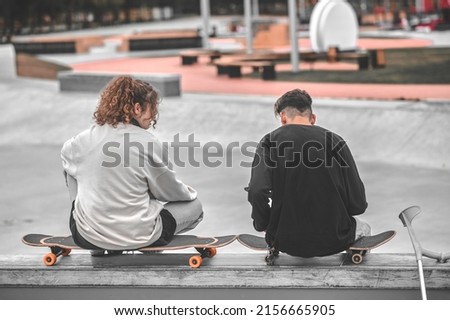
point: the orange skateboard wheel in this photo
(49, 259)
(66, 252)
(212, 252)
(195, 261)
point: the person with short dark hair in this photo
(125, 194)
(305, 190)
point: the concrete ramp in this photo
(404, 132)
(7, 62)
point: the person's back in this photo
(126, 193)
(310, 177)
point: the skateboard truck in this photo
(50, 258)
(407, 216)
(272, 253)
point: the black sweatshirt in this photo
(311, 178)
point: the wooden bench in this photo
(232, 67)
(365, 59)
(377, 58)
(189, 57)
(361, 57)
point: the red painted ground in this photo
(203, 78)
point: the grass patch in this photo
(410, 66)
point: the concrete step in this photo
(226, 276)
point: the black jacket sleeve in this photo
(356, 195)
(260, 186)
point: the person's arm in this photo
(162, 182)
(166, 187)
(69, 167)
(260, 186)
(68, 157)
(356, 194)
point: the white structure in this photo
(206, 15)
(293, 22)
(333, 24)
(7, 62)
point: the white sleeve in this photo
(168, 188)
(68, 157)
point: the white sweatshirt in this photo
(122, 181)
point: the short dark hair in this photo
(297, 99)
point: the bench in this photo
(377, 58)
(364, 59)
(168, 85)
(232, 67)
(189, 57)
(226, 276)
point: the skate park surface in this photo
(398, 135)
(400, 145)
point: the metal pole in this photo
(255, 8)
(422, 280)
(248, 25)
(419, 7)
(292, 7)
(205, 12)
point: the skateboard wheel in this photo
(357, 258)
(49, 259)
(195, 261)
(66, 252)
(211, 252)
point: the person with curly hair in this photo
(125, 194)
(305, 190)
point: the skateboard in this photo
(62, 246)
(259, 244)
(357, 250)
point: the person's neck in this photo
(299, 120)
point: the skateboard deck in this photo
(259, 244)
(62, 246)
(357, 250)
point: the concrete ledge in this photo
(167, 84)
(34, 67)
(161, 40)
(7, 62)
(226, 276)
(55, 45)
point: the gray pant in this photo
(187, 214)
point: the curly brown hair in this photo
(120, 95)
